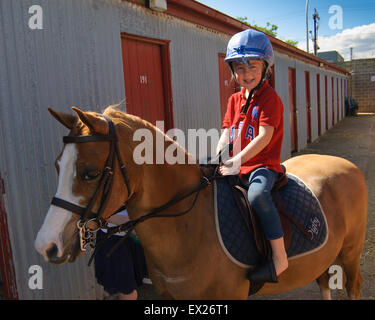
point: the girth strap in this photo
(92, 138)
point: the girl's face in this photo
(248, 77)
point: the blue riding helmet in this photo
(249, 44)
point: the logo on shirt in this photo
(249, 133)
(240, 127)
(255, 113)
(235, 133)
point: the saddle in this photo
(238, 227)
(240, 186)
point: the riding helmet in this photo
(249, 44)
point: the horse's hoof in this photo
(263, 273)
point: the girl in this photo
(254, 124)
(125, 270)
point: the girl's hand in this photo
(230, 167)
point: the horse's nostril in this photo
(51, 252)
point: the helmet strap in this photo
(261, 80)
(247, 104)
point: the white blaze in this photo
(57, 218)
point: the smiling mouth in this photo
(249, 81)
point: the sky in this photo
(343, 23)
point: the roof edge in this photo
(201, 14)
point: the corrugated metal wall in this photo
(73, 60)
(282, 63)
(76, 60)
(194, 69)
(194, 63)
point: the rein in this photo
(129, 226)
(87, 235)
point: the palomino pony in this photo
(183, 254)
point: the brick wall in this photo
(361, 88)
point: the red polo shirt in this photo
(266, 109)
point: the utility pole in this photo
(307, 26)
(316, 27)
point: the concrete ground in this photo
(353, 139)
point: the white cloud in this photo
(361, 38)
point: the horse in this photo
(183, 254)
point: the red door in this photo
(7, 272)
(333, 101)
(272, 77)
(147, 79)
(338, 99)
(308, 105)
(318, 97)
(326, 100)
(342, 98)
(227, 85)
(292, 109)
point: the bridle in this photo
(86, 234)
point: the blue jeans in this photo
(262, 181)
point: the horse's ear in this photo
(95, 123)
(65, 119)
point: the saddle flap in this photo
(252, 221)
(253, 224)
(240, 187)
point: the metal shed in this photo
(78, 58)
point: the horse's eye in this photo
(89, 175)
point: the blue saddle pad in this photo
(299, 202)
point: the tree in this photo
(292, 42)
(270, 29)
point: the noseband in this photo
(105, 183)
